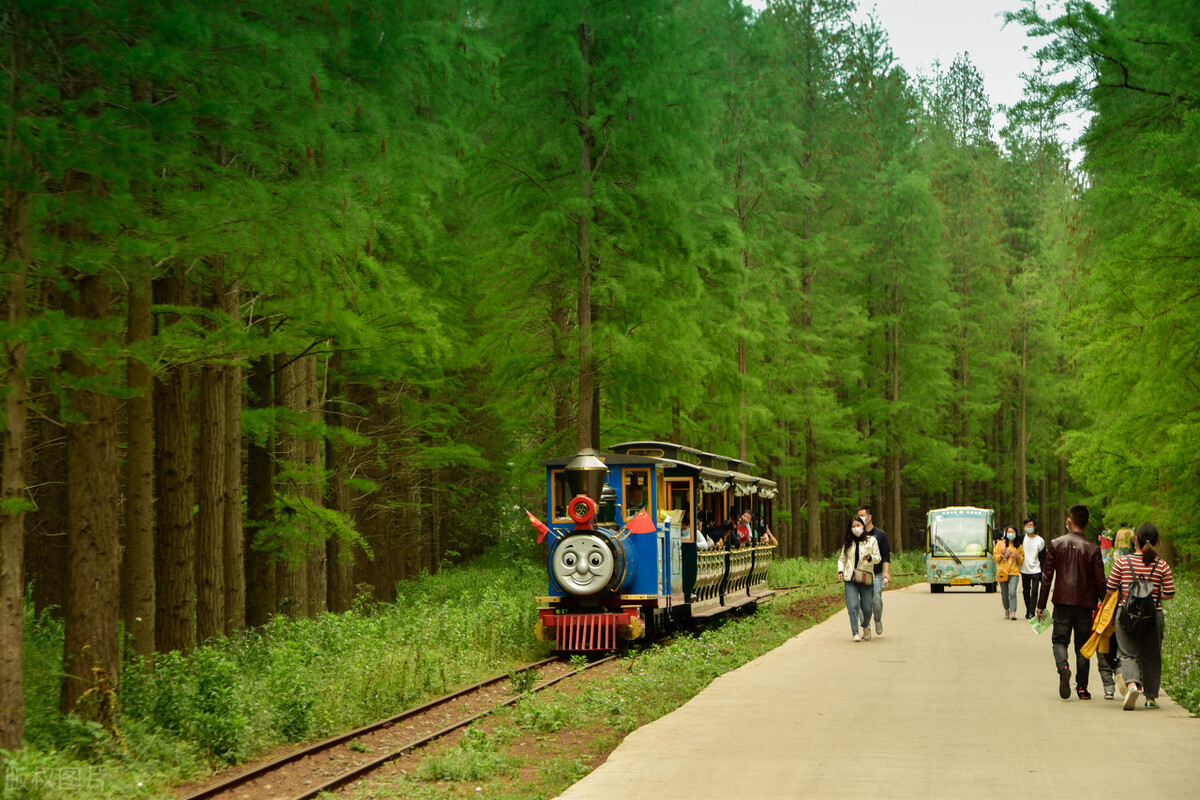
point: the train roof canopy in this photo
(679, 452)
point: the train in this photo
(643, 539)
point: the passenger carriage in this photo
(617, 576)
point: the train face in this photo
(623, 542)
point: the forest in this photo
(297, 294)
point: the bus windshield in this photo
(962, 536)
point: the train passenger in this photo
(855, 568)
(764, 533)
(1031, 567)
(883, 569)
(1140, 646)
(743, 528)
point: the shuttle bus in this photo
(958, 548)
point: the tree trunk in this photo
(339, 559)
(91, 651)
(260, 505)
(583, 247)
(291, 574)
(315, 585)
(137, 564)
(174, 531)
(210, 493)
(16, 232)
(46, 525)
(812, 492)
(233, 547)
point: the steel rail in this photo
(363, 769)
(324, 744)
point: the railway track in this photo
(332, 763)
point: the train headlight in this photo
(582, 564)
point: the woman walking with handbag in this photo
(1144, 581)
(856, 569)
(1009, 555)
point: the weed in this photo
(357, 746)
(475, 759)
(523, 681)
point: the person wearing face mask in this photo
(1008, 555)
(883, 574)
(1031, 568)
(855, 569)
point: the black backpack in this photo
(1137, 615)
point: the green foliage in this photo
(476, 758)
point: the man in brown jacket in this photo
(1076, 568)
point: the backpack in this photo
(1137, 615)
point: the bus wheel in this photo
(990, 587)
(937, 588)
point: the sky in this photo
(922, 32)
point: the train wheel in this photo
(990, 588)
(937, 588)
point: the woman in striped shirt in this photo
(1141, 655)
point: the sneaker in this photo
(879, 627)
(1108, 694)
(866, 634)
(1029, 616)
(1064, 682)
(1131, 698)
(1014, 616)
(1006, 615)
(857, 638)
(1083, 693)
(1151, 702)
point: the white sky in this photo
(924, 31)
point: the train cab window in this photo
(679, 498)
(635, 494)
(560, 494)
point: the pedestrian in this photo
(1031, 568)
(1140, 647)
(859, 553)
(1073, 569)
(1009, 557)
(883, 568)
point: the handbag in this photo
(864, 576)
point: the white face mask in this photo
(857, 531)
(1012, 536)
(1029, 530)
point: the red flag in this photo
(641, 523)
(539, 525)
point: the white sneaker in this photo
(857, 638)
(866, 636)
(879, 627)
(1131, 697)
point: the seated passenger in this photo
(743, 528)
(635, 501)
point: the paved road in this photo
(952, 702)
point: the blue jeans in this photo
(858, 603)
(1008, 592)
(877, 601)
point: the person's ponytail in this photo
(1147, 537)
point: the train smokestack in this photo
(585, 474)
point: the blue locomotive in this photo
(647, 537)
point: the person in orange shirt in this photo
(1008, 555)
